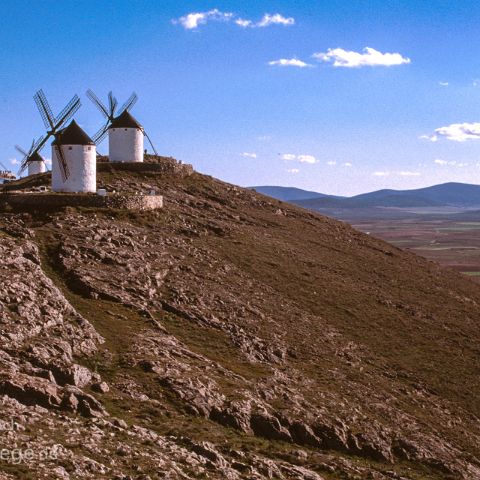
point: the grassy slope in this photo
(413, 316)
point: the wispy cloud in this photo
(298, 158)
(275, 19)
(293, 170)
(451, 163)
(191, 21)
(241, 22)
(381, 174)
(443, 84)
(307, 159)
(369, 57)
(432, 138)
(14, 161)
(331, 162)
(290, 62)
(407, 173)
(249, 155)
(347, 164)
(457, 132)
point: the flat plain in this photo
(450, 237)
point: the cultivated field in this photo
(449, 238)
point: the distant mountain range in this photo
(444, 195)
(290, 194)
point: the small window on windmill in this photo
(89, 148)
(125, 129)
(70, 148)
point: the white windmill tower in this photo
(125, 134)
(125, 139)
(53, 126)
(74, 161)
(36, 163)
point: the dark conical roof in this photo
(72, 135)
(36, 157)
(125, 120)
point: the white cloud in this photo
(48, 161)
(451, 163)
(293, 170)
(406, 173)
(432, 138)
(299, 158)
(348, 164)
(443, 84)
(264, 138)
(369, 57)
(459, 132)
(14, 161)
(243, 23)
(192, 20)
(249, 155)
(331, 162)
(307, 159)
(381, 174)
(275, 19)
(290, 62)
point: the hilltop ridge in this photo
(445, 194)
(210, 340)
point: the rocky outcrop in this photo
(208, 341)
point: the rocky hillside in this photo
(229, 336)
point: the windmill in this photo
(6, 174)
(5, 169)
(54, 128)
(36, 163)
(112, 116)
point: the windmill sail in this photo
(109, 112)
(53, 125)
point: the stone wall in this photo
(39, 201)
(164, 165)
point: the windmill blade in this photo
(96, 101)
(23, 166)
(35, 148)
(30, 151)
(40, 143)
(44, 109)
(132, 100)
(19, 149)
(67, 113)
(112, 101)
(4, 167)
(62, 162)
(150, 142)
(101, 134)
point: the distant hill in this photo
(447, 194)
(289, 194)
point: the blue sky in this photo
(213, 91)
